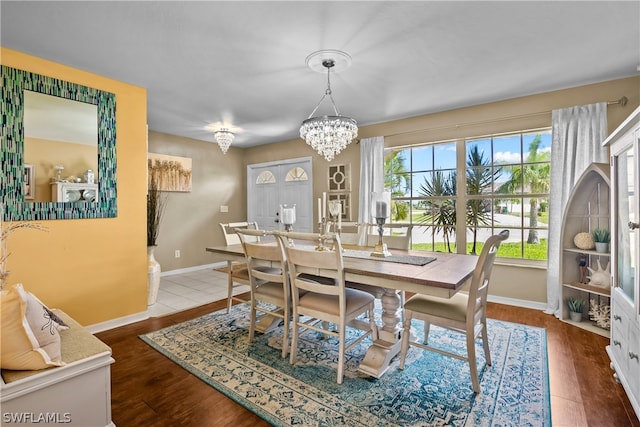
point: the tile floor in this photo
(191, 289)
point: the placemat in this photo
(400, 259)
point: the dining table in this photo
(438, 274)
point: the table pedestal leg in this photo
(387, 346)
(267, 323)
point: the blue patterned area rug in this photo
(433, 390)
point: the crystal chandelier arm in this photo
(327, 92)
(318, 105)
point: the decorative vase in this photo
(602, 247)
(575, 317)
(153, 277)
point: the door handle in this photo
(633, 225)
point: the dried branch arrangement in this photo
(5, 231)
(156, 202)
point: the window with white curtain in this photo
(503, 183)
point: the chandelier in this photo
(224, 138)
(328, 135)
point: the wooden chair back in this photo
(229, 231)
(396, 236)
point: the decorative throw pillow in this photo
(44, 328)
(19, 347)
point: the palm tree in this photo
(480, 177)
(396, 180)
(440, 213)
(535, 176)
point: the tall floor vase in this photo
(153, 278)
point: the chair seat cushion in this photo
(454, 308)
(356, 300)
(270, 289)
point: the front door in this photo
(272, 184)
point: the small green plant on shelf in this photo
(601, 235)
(575, 304)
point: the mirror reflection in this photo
(60, 149)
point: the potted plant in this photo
(601, 237)
(576, 306)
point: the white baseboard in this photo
(194, 268)
(517, 302)
(115, 323)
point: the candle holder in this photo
(321, 246)
(288, 219)
(380, 207)
(335, 210)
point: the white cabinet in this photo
(624, 348)
(73, 192)
(587, 209)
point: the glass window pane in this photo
(422, 183)
(482, 146)
(422, 159)
(537, 147)
(507, 150)
(399, 185)
(511, 180)
(445, 155)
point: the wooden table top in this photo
(443, 277)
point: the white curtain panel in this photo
(371, 177)
(578, 133)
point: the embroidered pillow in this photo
(43, 326)
(19, 347)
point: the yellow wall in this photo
(93, 269)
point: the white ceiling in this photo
(242, 63)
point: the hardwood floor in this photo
(149, 390)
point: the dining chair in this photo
(269, 280)
(237, 273)
(324, 301)
(396, 236)
(351, 232)
(464, 313)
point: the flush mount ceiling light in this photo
(224, 138)
(328, 135)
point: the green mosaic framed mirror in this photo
(16, 193)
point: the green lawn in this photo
(507, 250)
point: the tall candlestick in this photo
(319, 209)
(324, 204)
(339, 216)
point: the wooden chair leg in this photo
(471, 355)
(427, 329)
(285, 335)
(405, 338)
(485, 344)
(341, 352)
(229, 287)
(294, 339)
(252, 323)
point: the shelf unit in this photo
(587, 208)
(73, 191)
